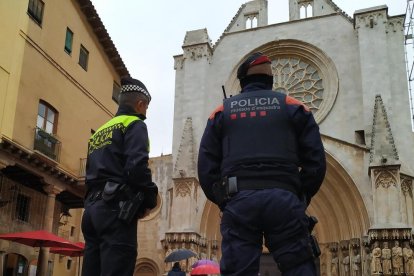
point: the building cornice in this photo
(104, 39)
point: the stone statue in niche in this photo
(356, 262)
(397, 259)
(367, 261)
(386, 260)
(346, 262)
(376, 267)
(334, 264)
(408, 256)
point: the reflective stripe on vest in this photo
(103, 135)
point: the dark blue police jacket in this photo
(118, 151)
(262, 134)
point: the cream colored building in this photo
(351, 71)
(58, 72)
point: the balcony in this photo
(47, 144)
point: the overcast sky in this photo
(148, 34)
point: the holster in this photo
(223, 190)
(113, 191)
(129, 208)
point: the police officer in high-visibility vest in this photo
(261, 160)
(119, 186)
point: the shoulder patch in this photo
(217, 110)
(292, 101)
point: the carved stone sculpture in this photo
(376, 267)
(397, 260)
(334, 264)
(367, 261)
(408, 260)
(356, 263)
(346, 262)
(386, 260)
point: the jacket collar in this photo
(254, 86)
(128, 110)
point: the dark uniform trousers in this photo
(108, 239)
(275, 214)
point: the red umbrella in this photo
(205, 269)
(40, 239)
(204, 262)
(69, 251)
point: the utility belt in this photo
(229, 186)
(112, 192)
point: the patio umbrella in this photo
(70, 252)
(204, 262)
(205, 269)
(39, 239)
(180, 254)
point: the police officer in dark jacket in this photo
(116, 171)
(261, 160)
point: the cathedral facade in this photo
(351, 72)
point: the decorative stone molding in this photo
(382, 149)
(185, 165)
(197, 52)
(178, 62)
(395, 24)
(406, 186)
(52, 189)
(369, 20)
(183, 189)
(389, 233)
(184, 186)
(385, 178)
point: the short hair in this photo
(131, 98)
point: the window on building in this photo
(22, 207)
(360, 137)
(306, 10)
(116, 89)
(35, 10)
(83, 58)
(69, 264)
(68, 41)
(251, 21)
(72, 231)
(46, 126)
(46, 117)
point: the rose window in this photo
(298, 79)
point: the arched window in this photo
(248, 23)
(306, 10)
(251, 20)
(46, 126)
(309, 11)
(302, 12)
(254, 22)
(46, 117)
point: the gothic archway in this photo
(146, 267)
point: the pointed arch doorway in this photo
(338, 206)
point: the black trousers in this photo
(110, 245)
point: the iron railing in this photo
(47, 144)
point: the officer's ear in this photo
(141, 106)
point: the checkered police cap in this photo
(129, 85)
(252, 60)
